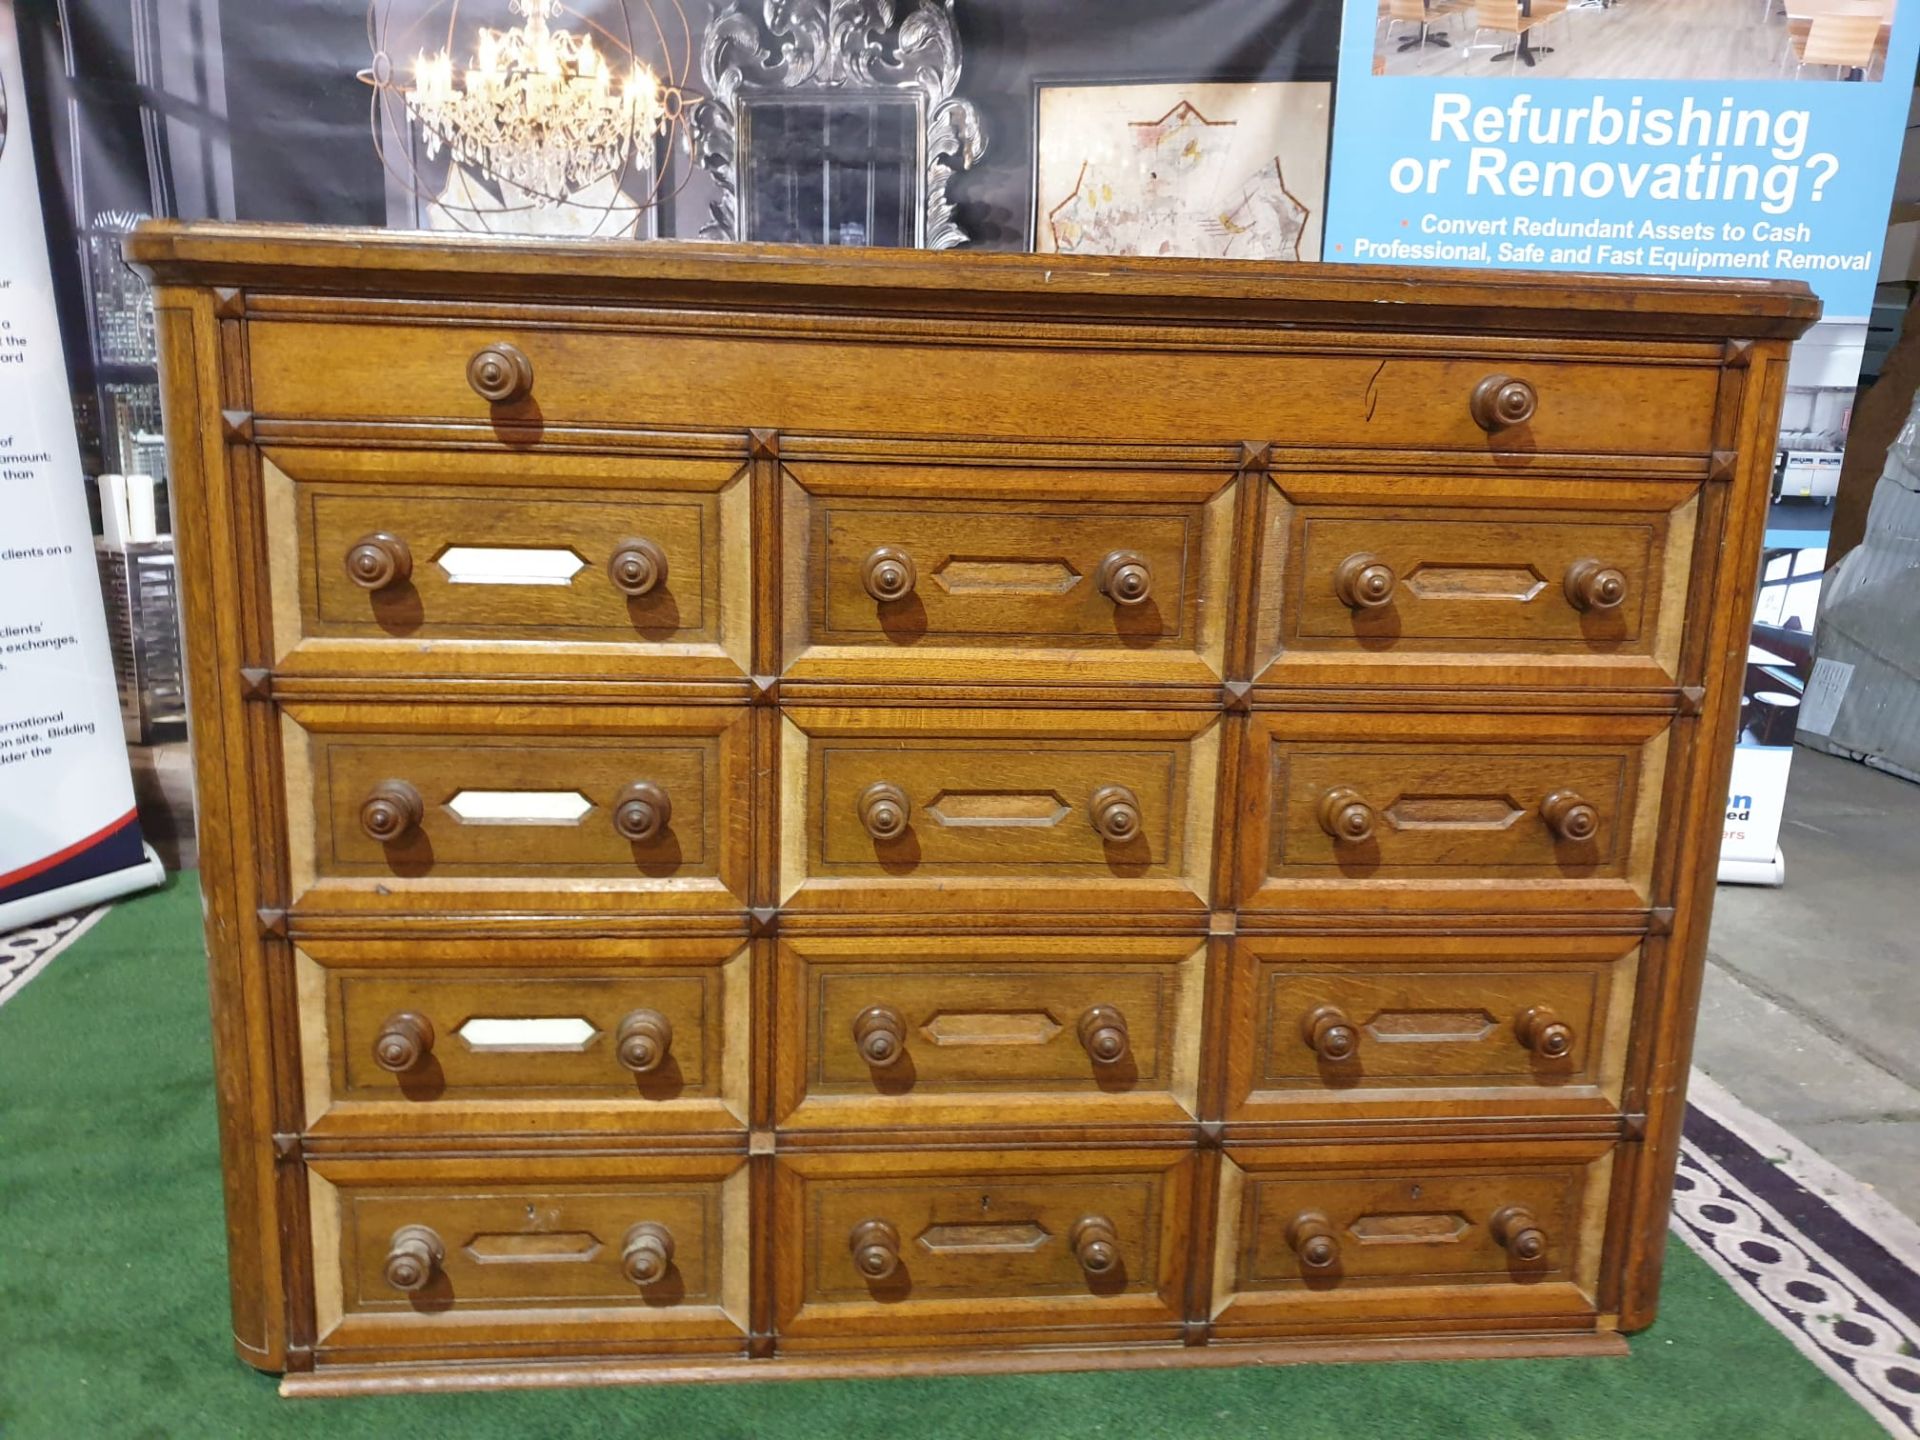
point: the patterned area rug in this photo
(1819, 1256)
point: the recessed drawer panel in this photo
(1428, 1027)
(907, 1248)
(982, 385)
(929, 1030)
(1364, 1236)
(936, 572)
(951, 811)
(491, 1256)
(1433, 579)
(466, 806)
(516, 1035)
(452, 563)
(1559, 813)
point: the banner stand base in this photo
(82, 894)
(1754, 872)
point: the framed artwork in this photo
(1225, 171)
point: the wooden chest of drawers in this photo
(778, 812)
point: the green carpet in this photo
(113, 1292)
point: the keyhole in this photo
(986, 1203)
(1414, 1191)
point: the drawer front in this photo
(1452, 580)
(1426, 1027)
(463, 806)
(475, 1257)
(910, 1248)
(517, 1036)
(948, 811)
(1559, 813)
(484, 563)
(935, 572)
(995, 1030)
(978, 385)
(1487, 1233)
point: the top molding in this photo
(966, 284)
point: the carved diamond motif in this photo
(527, 1036)
(508, 565)
(984, 1239)
(976, 1027)
(1429, 1229)
(1032, 809)
(1474, 582)
(1011, 575)
(1453, 812)
(1428, 1027)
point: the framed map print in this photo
(1225, 171)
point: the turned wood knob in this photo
(1500, 401)
(379, 560)
(1330, 1033)
(403, 1042)
(1516, 1230)
(1544, 1033)
(876, 1249)
(641, 812)
(638, 567)
(880, 1035)
(884, 810)
(889, 574)
(1364, 583)
(414, 1256)
(1345, 816)
(500, 373)
(1116, 813)
(643, 1040)
(391, 809)
(1590, 585)
(1103, 1030)
(1125, 578)
(647, 1253)
(1095, 1245)
(1314, 1243)
(1570, 817)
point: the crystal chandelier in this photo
(540, 107)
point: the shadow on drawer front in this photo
(512, 1035)
(439, 805)
(1410, 1026)
(913, 1248)
(1429, 808)
(1311, 1235)
(640, 563)
(437, 1254)
(995, 1030)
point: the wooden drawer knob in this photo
(1364, 583)
(1330, 1033)
(1125, 578)
(403, 1042)
(876, 1249)
(884, 810)
(880, 1035)
(889, 574)
(1518, 1233)
(391, 809)
(1103, 1030)
(643, 1040)
(414, 1257)
(1570, 817)
(500, 373)
(1544, 1033)
(647, 1253)
(638, 567)
(1500, 401)
(641, 812)
(378, 561)
(1095, 1245)
(1116, 813)
(1590, 585)
(1313, 1240)
(1345, 816)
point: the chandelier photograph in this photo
(553, 122)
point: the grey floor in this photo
(1811, 1011)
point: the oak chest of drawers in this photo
(779, 812)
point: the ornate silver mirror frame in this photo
(803, 48)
